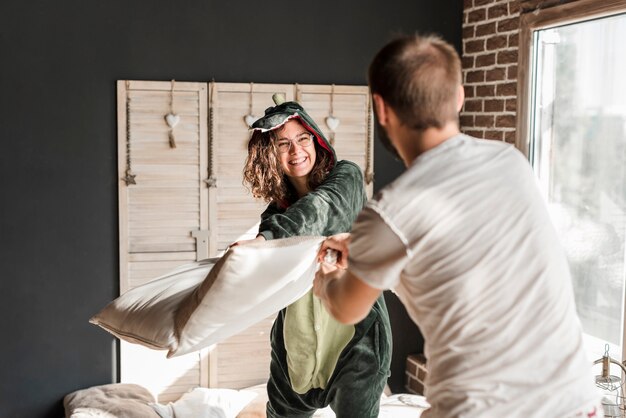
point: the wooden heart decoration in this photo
(332, 123)
(172, 119)
(249, 119)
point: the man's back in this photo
(486, 280)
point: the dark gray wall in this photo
(58, 213)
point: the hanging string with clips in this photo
(331, 121)
(172, 118)
(129, 177)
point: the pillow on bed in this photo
(110, 401)
(203, 303)
(206, 403)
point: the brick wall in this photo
(415, 373)
(490, 55)
(490, 52)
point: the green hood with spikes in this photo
(278, 115)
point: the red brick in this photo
(507, 89)
(475, 46)
(473, 106)
(512, 72)
(485, 121)
(514, 7)
(507, 57)
(505, 121)
(497, 42)
(511, 105)
(467, 120)
(475, 77)
(482, 2)
(421, 374)
(414, 386)
(497, 11)
(485, 60)
(467, 62)
(477, 16)
(532, 5)
(509, 136)
(508, 24)
(418, 358)
(469, 91)
(494, 105)
(467, 4)
(486, 29)
(496, 74)
(468, 31)
(490, 134)
(474, 133)
(513, 40)
(411, 368)
(485, 91)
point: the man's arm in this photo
(345, 296)
(369, 259)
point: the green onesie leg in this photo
(357, 382)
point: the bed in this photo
(134, 401)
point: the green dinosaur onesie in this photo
(316, 361)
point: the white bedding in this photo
(250, 403)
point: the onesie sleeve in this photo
(377, 251)
(329, 209)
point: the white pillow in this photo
(401, 405)
(203, 303)
(206, 403)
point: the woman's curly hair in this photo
(264, 176)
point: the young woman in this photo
(316, 361)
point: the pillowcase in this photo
(203, 303)
(110, 401)
(206, 403)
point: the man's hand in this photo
(338, 243)
(325, 274)
(345, 296)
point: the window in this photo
(573, 116)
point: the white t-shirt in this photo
(464, 239)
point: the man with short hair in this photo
(464, 239)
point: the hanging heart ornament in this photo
(332, 123)
(249, 119)
(172, 119)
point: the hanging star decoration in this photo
(129, 178)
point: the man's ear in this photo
(460, 98)
(381, 109)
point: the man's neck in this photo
(417, 143)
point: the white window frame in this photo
(530, 23)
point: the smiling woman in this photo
(316, 361)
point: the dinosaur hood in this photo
(277, 116)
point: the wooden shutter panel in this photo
(160, 212)
(197, 186)
(242, 360)
(351, 106)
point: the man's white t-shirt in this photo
(464, 239)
